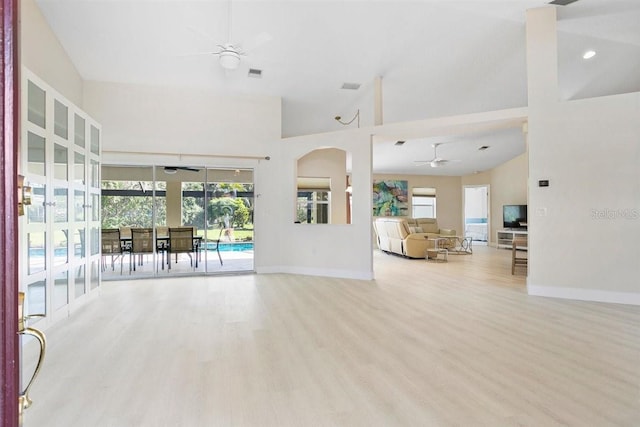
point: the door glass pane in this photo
(61, 290)
(60, 247)
(78, 244)
(193, 205)
(95, 140)
(78, 168)
(36, 297)
(36, 104)
(60, 162)
(60, 119)
(36, 212)
(160, 204)
(36, 252)
(79, 126)
(127, 197)
(95, 207)
(60, 209)
(78, 205)
(95, 275)
(229, 211)
(95, 240)
(95, 174)
(35, 154)
(79, 280)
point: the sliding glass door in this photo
(213, 206)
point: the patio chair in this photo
(111, 246)
(181, 242)
(216, 242)
(141, 244)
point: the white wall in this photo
(315, 249)
(157, 119)
(585, 227)
(586, 245)
(42, 53)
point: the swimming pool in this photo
(235, 247)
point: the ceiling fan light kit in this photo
(229, 59)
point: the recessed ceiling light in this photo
(589, 54)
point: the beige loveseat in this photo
(407, 236)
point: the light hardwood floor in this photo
(425, 344)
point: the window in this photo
(313, 203)
(423, 202)
(313, 207)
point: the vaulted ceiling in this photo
(436, 58)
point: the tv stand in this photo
(504, 238)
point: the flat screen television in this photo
(514, 216)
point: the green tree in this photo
(235, 209)
(241, 214)
(193, 207)
(131, 210)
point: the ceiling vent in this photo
(255, 73)
(484, 147)
(400, 142)
(351, 86)
(562, 2)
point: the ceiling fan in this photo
(436, 161)
(229, 54)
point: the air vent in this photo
(400, 142)
(484, 147)
(351, 86)
(562, 2)
(255, 73)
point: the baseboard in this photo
(323, 272)
(631, 298)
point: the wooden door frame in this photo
(9, 131)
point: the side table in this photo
(437, 252)
(461, 245)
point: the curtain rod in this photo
(180, 155)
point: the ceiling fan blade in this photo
(258, 41)
(198, 54)
(173, 169)
(202, 34)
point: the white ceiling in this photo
(436, 58)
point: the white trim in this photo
(599, 295)
(335, 273)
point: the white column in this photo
(542, 55)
